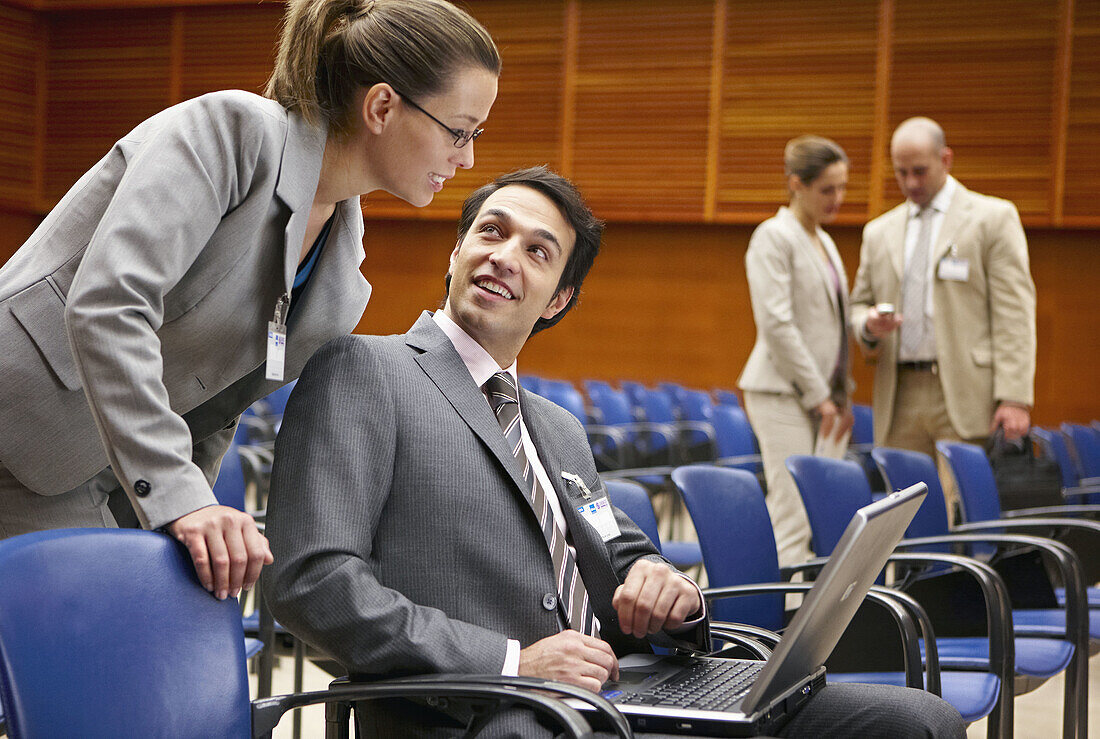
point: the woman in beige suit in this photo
(797, 379)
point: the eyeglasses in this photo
(462, 137)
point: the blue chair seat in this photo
(973, 694)
(252, 647)
(1035, 657)
(1045, 622)
(682, 554)
(1093, 596)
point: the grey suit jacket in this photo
(800, 318)
(134, 319)
(985, 326)
(403, 538)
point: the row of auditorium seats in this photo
(1011, 636)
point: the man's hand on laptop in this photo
(571, 657)
(654, 598)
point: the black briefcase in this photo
(1024, 480)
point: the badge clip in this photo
(576, 480)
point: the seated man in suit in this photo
(424, 521)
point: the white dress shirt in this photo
(941, 201)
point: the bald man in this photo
(944, 302)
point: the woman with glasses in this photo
(796, 381)
(196, 267)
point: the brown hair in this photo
(329, 49)
(807, 157)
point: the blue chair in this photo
(1086, 447)
(1054, 445)
(736, 443)
(633, 500)
(531, 383)
(635, 392)
(727, 397)
(567, 396)
(902, 468)
(645, 444)
(274, 403)
(696, 421)
(166, 658)
(862, 442)
(832, 490)
(740, 559)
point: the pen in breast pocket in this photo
(576, 480)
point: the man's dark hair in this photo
(563, 194)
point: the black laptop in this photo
(732, 697)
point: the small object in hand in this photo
(884, 309)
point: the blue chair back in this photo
(863, 428)
(673, 389)
(531, 383)
(974, 480)
(1054, 446)
(633, 500)
(82, 612)
(727, 397)
(1086, 442)
(229, 488)
(276, 400)
(735, 536)
(734, 436)
(902, 468)
(832, 491)
(635, 392)
(567, 397)
(659, 407)
(614, 408)
(595, 387)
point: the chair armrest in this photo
(747, 636)
(907, 629)
(1053, 510)
(613, 453)
(1045, 523)
(1002, 644)
(1069, 566)
(739, 460)
(636, 472)
(931, 650)
(525, 691)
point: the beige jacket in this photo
(799, 317)
(985, 326)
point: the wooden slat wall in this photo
(19, 54)
(227, 47)
(985, 70)
(1083, 135)
(107, 71)
(642, 104)
(792, 74)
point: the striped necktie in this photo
(914, 290)
(504, 399)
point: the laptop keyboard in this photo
(709, 685)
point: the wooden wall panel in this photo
(1083, 134)
(524, 127)
(19, 53)
(228, 47)
(107, 71)
(786, 74)
(643, 82)
(985, 71)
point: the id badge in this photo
(276, 350)
(954, 268)
(599, 516)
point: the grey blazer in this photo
(403, 538)
(800, 320)
(134, 319)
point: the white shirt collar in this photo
(479, 362)
(941, 201)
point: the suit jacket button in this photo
(549, 601)
(142, 488)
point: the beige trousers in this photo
(920, 420)
(783, 429)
